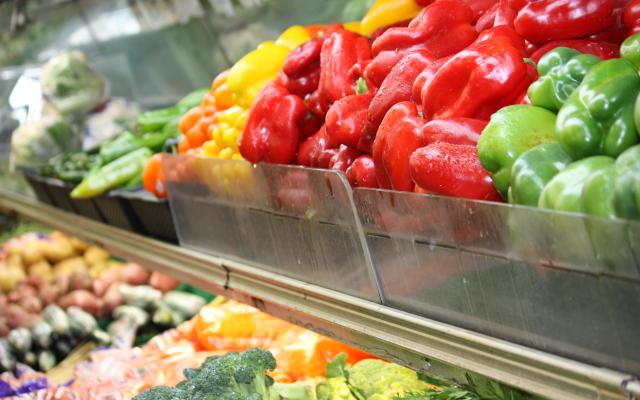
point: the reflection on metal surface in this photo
(398, 336)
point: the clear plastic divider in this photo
(299, 222)
(561, 282)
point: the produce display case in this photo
(544, 301)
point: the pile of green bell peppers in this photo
(577, 146)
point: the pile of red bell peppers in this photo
(403, 109)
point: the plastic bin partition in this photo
(295, 221)
(563, 283)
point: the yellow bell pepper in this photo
(387, 12)
(293, 37)
(248, 76)
(353, 26)
(225, 134)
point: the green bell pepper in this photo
(564, 191)
(512, 131)
(561, 71)
(123, 144)
(630, 49)
(113, 175)
(626, 191)
(598, 118)
(533, 170)
(597, 194)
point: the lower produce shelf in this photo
(418, 342)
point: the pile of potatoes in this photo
(40, 270)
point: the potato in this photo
(97, 269)
(32, 253)
(15, 260)
(112, 298)
(133, 274)
(58, 250)
(50, 293)
(80, 280)
(32, 304)
(67, 266)
(17, 317)
(10, 276)
(80, 298)
(162, 282)
(22, 290)
(95, 254)
(78, 245)
(42, 270)
(105, 280)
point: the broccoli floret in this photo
(380, 380)
(161, 393)
(335, 388)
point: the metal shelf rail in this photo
(420, 343)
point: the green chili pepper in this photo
(154, 121)
(113, 175)
(124, 143)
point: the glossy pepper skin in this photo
(631, 17)
(346, 118)
(340, 51)
(395, 88)
(564, 191)
(598, 117)
(532, 170)
(626, 193)
(271, 133)
(388, 12)
(398, 137)
(542, 21)
(343, 158)
(630, 49)
(510, 132)
(314, 151)
(561, 71)
(153, 178)
(453, 130)
(442, 28)
(361, 173)
(452, 170)
(602, 50)
(479, 80)
(115, 174)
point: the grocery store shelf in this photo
(417, 342)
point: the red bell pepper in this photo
(310, 125)
(346, 118)
(311, 150)
(381, 65)
(443, 28)
(303, 57)
(376, 34)
(272, 133)
(362, 172)
(452, 170)
(398, 137)
(616, 32)
(343, 158)
(358, 71)
(505, 14)
(477, 6)
(425, 76)
(631, 17)
(453, 130)
(603, 50)
(340, 51)
(395, 88)
(302, 85)
(317, 104)
(479, 80)
(488, 18)
(545, 20)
